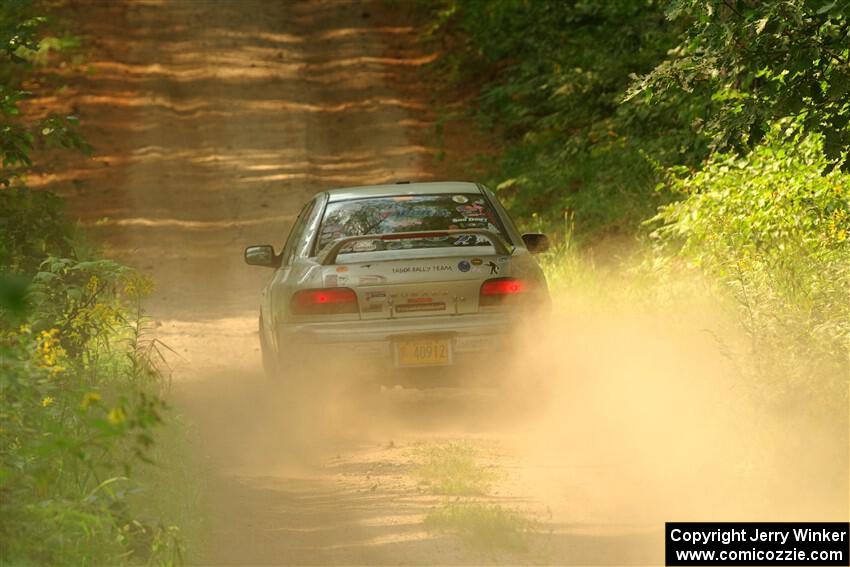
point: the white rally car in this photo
(403, 276)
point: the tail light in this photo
(330, 301)
(500, 290)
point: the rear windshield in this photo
(415, 213)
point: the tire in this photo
(271, 367)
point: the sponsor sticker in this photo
(464, 240)
(463, 266)
(476, 261)
(437, 268)
(460, 199)
(473, 210)
(364, 246)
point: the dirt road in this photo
(213, 122)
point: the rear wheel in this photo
(271, 366)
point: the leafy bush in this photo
(80, 398)
(79, 388)
(748, 64)
(773, 229)
(33, 227)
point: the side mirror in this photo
(262, 255)
(535, 242)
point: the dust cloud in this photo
(644, 410)
(607, 419)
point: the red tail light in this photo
(331, 301)
(495, 292)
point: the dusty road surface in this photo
(213, 122)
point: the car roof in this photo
(400, 189)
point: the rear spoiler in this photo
(329, 258)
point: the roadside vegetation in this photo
(690, 139)
(486, 527)
(454, 471)
(81, 381)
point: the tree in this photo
(751, 63)
(19, 41)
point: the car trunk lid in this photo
(418, 287)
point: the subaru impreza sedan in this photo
(401, 276)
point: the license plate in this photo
(423, 352)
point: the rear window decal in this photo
(413, 213)
(364, 246)
(466, 240)
(473, 210)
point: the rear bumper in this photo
(471, 337)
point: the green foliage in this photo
(596, 99)
(773, 230)
(80, 391)
(20, 47)
(751, 63)
(33, 228)
(551, 77)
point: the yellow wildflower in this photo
(116, 416)
(46, 401)
(138, 286)
(54, 370)
(48, 351)
(130, 288)
(91, 286)
(89, 399)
